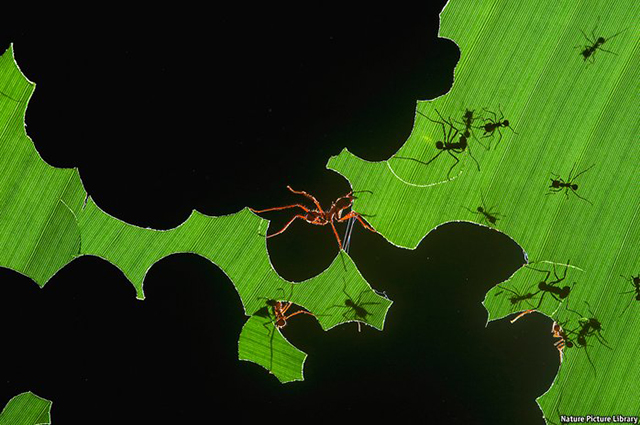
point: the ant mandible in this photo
(635, 282)
(495, 124)
(558, 184)
(319, 216)
(589, 52)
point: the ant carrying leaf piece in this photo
(447, 144)
(588, 52)
(491, 125)
(635, 282)
(559, 185)
(319, 216)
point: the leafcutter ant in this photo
(490, 125)
(558, 293)
(563, 340)
(635, 282)
(589, 327)
(467, 121)
(319, 216)
(355, 308)
(280, 308)
(448, 144)
(559, 185)
(589, 52)
(488, 217)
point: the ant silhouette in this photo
(559, 185)
(589, 51)
(448, 144)
(491, 125)
(635, 282)
(488, 217)
(518, 298)
(467, 121)
(356, 307)
(589, 327)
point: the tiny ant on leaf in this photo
(589, 52)
(319, 216)
(563, 341)
(280, 308)
(559, 185)
(447, 144)
(491, 125)
(488, 217)
(589, 327)
(355, 308)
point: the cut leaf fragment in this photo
(26, 409)
(563, 176)
(47, 220)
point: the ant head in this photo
(582, 340)
(568, 343)
(638, 297)
(505, 123)
(636, 280)
(600, 40)
(280, 323)
(272, 303)
(466, 133)
(480, 209)
(349, 303)
(439, 145)
(574, 186)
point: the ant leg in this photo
(357, 217)
(286, 225)
(416, 160)
(472, 157)
(335, 232)
(281, 208)
(582, 172)
(298, 312)
(303, 193)
(454, 164)
(576, 193)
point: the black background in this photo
(170, 110)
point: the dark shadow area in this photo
(184, 111)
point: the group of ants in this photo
(456, 141)
(588, 327)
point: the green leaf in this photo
(47, 220)
(566, 115)
(26, 409)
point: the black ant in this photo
(558, 293)
(356, 307)
(487, 216)
(491, 125)
(467, 121)
(588, 52)
(517, 298)
(589, 327)
(447, 144)
(635, 282)
(559, 185)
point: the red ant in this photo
(563, 341)
(495, 124)
(635, 282)
(280, 311)
(558, 184)
(319, 216)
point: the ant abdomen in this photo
(439, 145)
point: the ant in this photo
(589, 326)
(280, 311)
(558, 184)
(635, 282)
(320, 217)
(589, 52)
(467, 120)
(356, 306)
(491, 125)
(448, 144)
(550, 288)
(563, 340)
(517, 298)
(487, 216)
